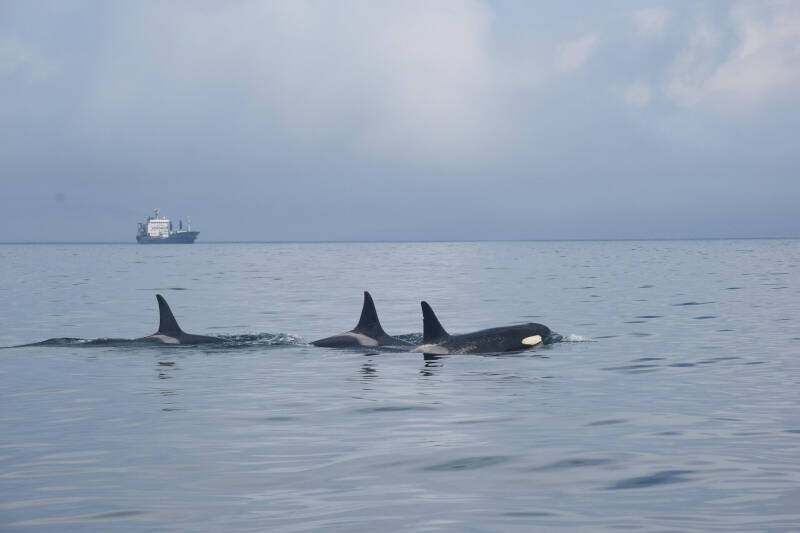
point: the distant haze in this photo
(363, 120)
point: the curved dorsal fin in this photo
(369, 323)
(167, 323)
(432, 330)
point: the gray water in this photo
(672, 405)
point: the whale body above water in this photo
(368, 332)
(169, 332)
(516, 338)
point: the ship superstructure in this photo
(158, 230)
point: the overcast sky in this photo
(406, 120)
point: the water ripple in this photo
(664, 477)
(394, 408)
(469, 463)
(577, 462)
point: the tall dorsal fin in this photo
(369, 323)
(432, 330)
(167, 323)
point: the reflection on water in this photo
(369, 371)
(431, 364)
(670, 413)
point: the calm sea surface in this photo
(672, 405)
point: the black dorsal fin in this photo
(432, 330)
(167, 323)
(369, 323)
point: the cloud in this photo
(694, 65)
(764, 61)
(386, 81)
(22, 62)
(651, 22)
(768, 56)
(362, 119)
(573, 55)
(637, 94)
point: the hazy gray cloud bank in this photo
(400, 120)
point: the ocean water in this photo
(672, 405)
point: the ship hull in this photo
(182, 237)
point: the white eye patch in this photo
(532, 341)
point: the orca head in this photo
(538, 334)
(548, 336)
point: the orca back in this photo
(368, 332)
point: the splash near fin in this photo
(167, 324)
(369, 323)
(432, 330)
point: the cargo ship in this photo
(158, 230)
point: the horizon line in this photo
(431, 241)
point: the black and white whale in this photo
(169, 332)
(436, 341)
(368, 332)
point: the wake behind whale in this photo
(226, 342)
(170, 333)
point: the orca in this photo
(436, 341)
(368, 332)
(169, 332)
